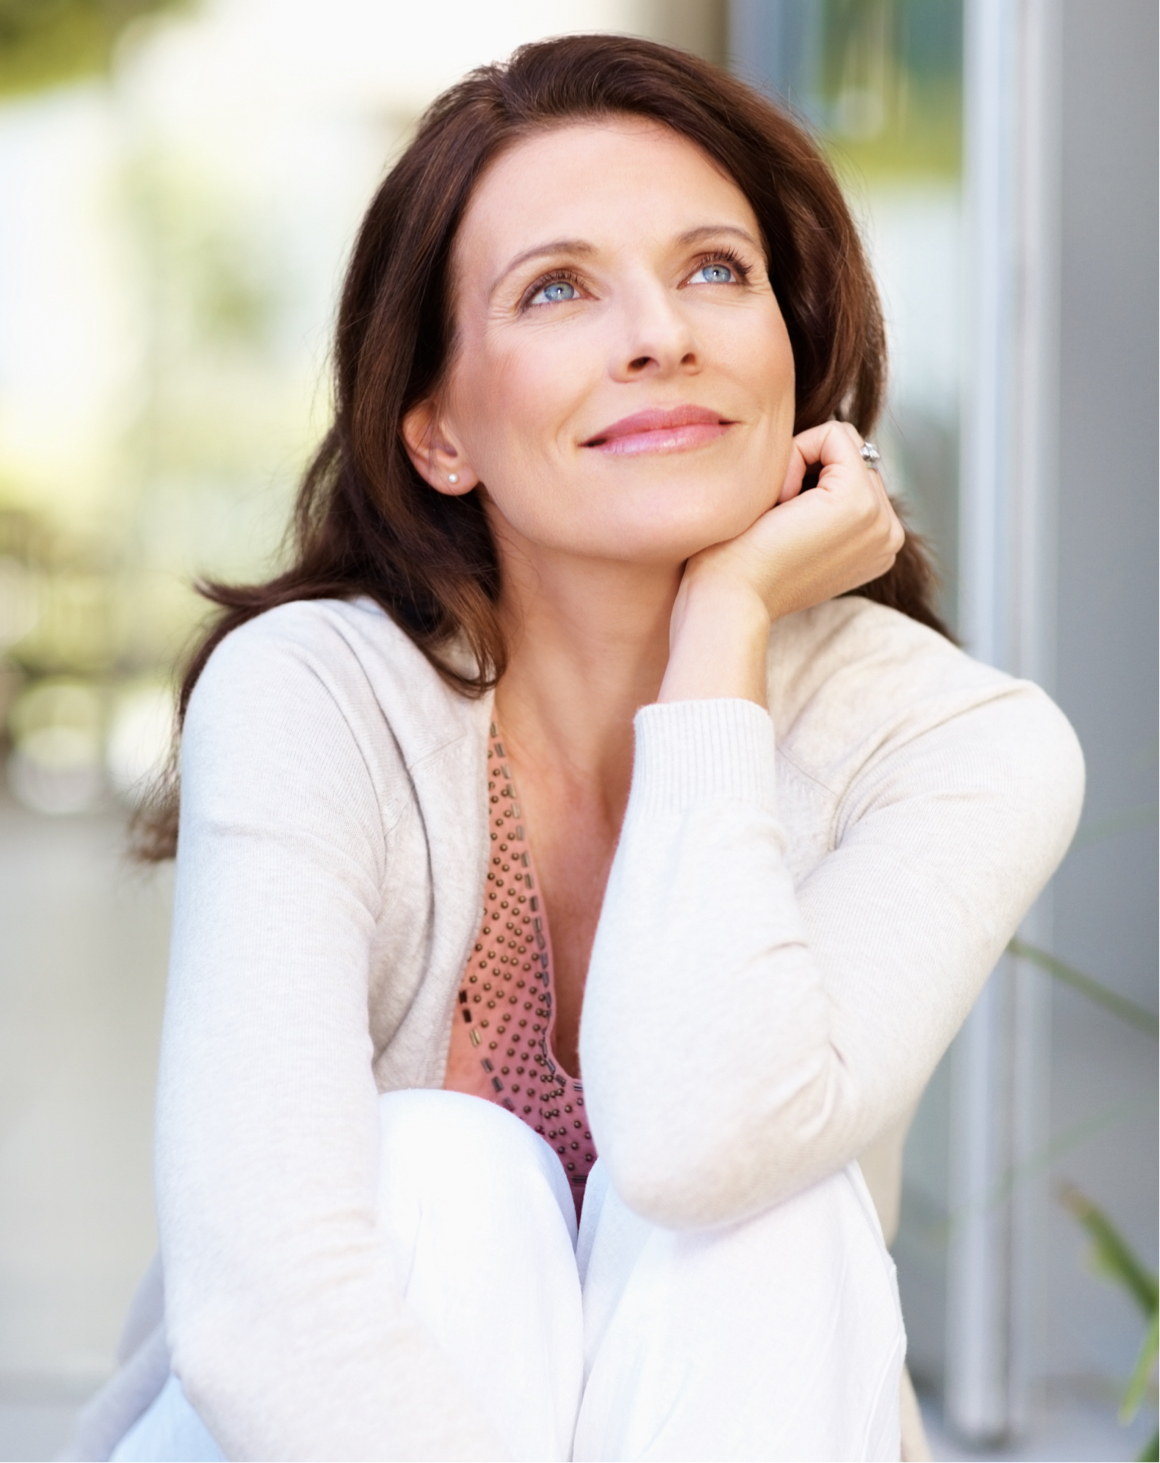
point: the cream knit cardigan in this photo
(802, 908)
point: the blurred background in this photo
(179, 185)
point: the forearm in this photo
(743, 1038)
(283, 1305)
(706, 1029)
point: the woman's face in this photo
(622, 384)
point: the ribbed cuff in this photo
(703, 751)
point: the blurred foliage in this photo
(46, 42)
(1112, 1257)
(193, 487)
(889, 87)
(1094, 990)
(58, 597)
(214, 273)
(97, 606)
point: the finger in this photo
(794, 474)
(895, 532)
(831, 444)
(854, 435)
(878, 487)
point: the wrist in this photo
(718, 636)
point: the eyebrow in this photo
(712, 231)
(539, 251)
(582, 246)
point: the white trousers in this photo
(779, 1337)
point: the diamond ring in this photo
(870, 455)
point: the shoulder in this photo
(853, 684)
(854, 657)
(335, 659)
(344, 644)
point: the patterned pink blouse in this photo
(501, 1039)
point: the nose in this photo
(657, 337)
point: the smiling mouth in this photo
(659, 430)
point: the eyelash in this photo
(726, 256)
(557, 276)
(568, 276)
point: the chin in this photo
(658, 523)
(672, 531)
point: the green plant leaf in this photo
(1151, 1449)
(1137, 1016)
(1111, 1252)
(1134, 1393)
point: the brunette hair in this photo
(365, 522)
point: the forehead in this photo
(602, 181)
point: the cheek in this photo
(771, 364)
(782, 376)
(517, 407)
(511, 403)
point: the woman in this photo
(560, 595)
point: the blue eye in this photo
(558, 292)
(714, 274)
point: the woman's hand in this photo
(807, 548)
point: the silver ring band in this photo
(870, 455)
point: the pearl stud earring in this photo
(452, 478)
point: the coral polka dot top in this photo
(501, 1037)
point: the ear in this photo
(434, 451)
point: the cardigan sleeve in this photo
(741, 1039)
(285, 1316)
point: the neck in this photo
(588, 644)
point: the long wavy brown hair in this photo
(365, 522)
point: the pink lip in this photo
(659, 430)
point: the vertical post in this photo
(1036, 537)
(999, 1068)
